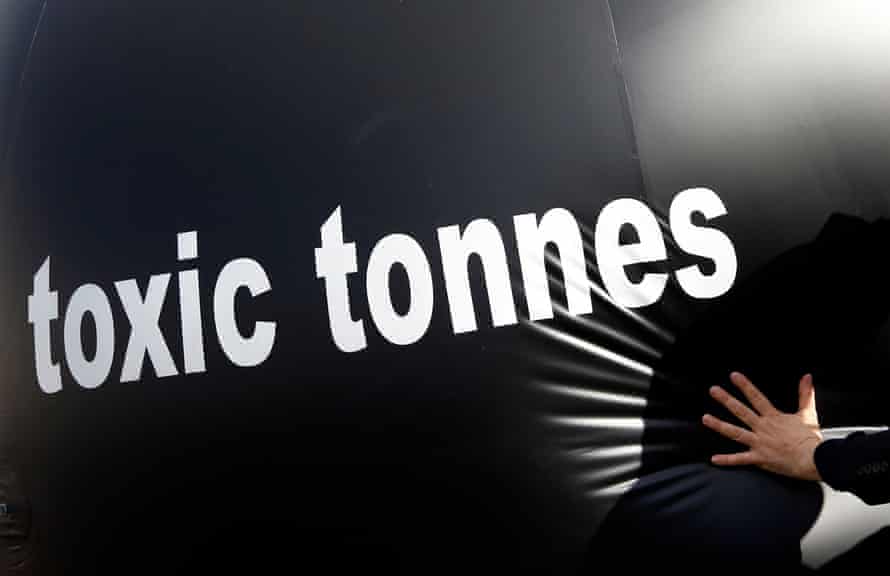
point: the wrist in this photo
(808, 469)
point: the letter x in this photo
(145, 334)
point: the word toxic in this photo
(143, 313)
(335, 260)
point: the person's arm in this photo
(859, 463)
(792, 444)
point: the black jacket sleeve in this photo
(859, 463)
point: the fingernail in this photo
(714, 390)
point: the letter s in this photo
(699, 241)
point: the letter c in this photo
(253, 350)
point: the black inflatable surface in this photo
(540, 447)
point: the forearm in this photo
(859, 463)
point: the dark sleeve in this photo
(859, 463)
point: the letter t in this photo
(333, 261)
(43, 308)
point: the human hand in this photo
(778, 442)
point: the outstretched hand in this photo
(778, 442)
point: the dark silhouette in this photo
(817, 309)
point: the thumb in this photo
(807, 395)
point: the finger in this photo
(755, 397)
(748, 458)
(807, 394)
(731, 431)
(732, 404)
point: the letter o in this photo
(89, 299)
(410, 327)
